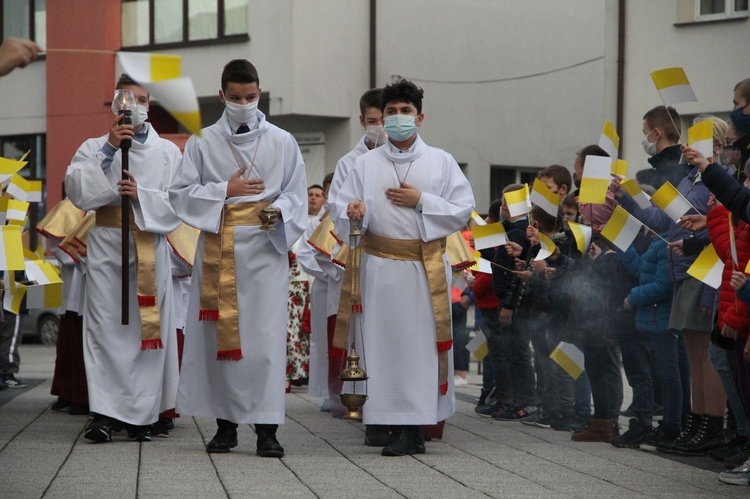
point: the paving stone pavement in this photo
(43, 454)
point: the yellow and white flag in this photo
(543, 197)
(11, 248)
(477, 218)
(489, 235)
(620, 167)
(161, 76)
(701, 137)
(547, 247)
(19, 188)
(673, 86)
(478, 346)
(483, 265)
(14, 293)
(459, 280)
(518, 201)
(595, 180)
(621, 229)
(570, 358)
(16, 212)
(671, 201)
(583, 235)
(732, 242)
(47, 293)
(9, 167)
(708, 267)
(35, 191)
(609, 140)
(642, 199)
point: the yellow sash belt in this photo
(145, 265)
(431, 256)
(219, 285)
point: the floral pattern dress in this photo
(298, 324)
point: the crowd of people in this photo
(243, 281)
(681, 343)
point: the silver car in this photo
(41, 324)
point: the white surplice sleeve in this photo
(197, 204)
(292, 200)
(154, 212)
(306, 253)
(86, 184)
(353, 188)
(447, 212)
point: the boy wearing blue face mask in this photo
(409, 198)
(235, 338)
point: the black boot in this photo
(377, 435)
(268, 446)
(419, 447)
(689, 428)
(225, 438)
(710, 435)
(403, 442)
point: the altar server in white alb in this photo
(131, 370)
(409, 197)
(234, 360)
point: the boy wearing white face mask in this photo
(415, 196)
(661, 142)
(131, 369)
(235, 336)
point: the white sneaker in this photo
(459, 381)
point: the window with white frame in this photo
(24, 19)
(173, 23)
(691, 11)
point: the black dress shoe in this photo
(268, 445)
(98, 429)
(419, 447)
(224, 440)
(78, 410)
(60, 405)
(377, 435)
(403, 442)
(139, 433)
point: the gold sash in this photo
(322, 238)
(145, 265)
(431, 256)
(60, 220)
(218, 284)
(74, 244)
(459, 253)
(184, 240)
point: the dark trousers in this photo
(511, 361)
(558, 392)
(636, 359)
(671, 357)
(603, 367)
(69, 381)
(460, 338)
(10, 338)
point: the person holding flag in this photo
(131, 369)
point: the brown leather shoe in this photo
(599, 430)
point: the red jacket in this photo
(732, 311)
(484, 297)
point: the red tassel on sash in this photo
(208, 315)
(155, 344)
(444, 346)
(229, 355)
(146, 301)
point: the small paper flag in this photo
(642, 199)
(671, 201)
(708, 267)
(483, 265)
(542, 196)
(620, 167)
(609, 140)
(459, 280)
(8, 167)
(11, 248)
(478, 346)
(547, 247)
(701, 137)
(13, 297)
(583, 235)
(518, 201)
(673, 86)
(48, 291)
(19, 188)
(570, 358)
(621, 229)
(161, 76)
(595, 180)
(489, 235)
(477, 218)
(732, 242)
